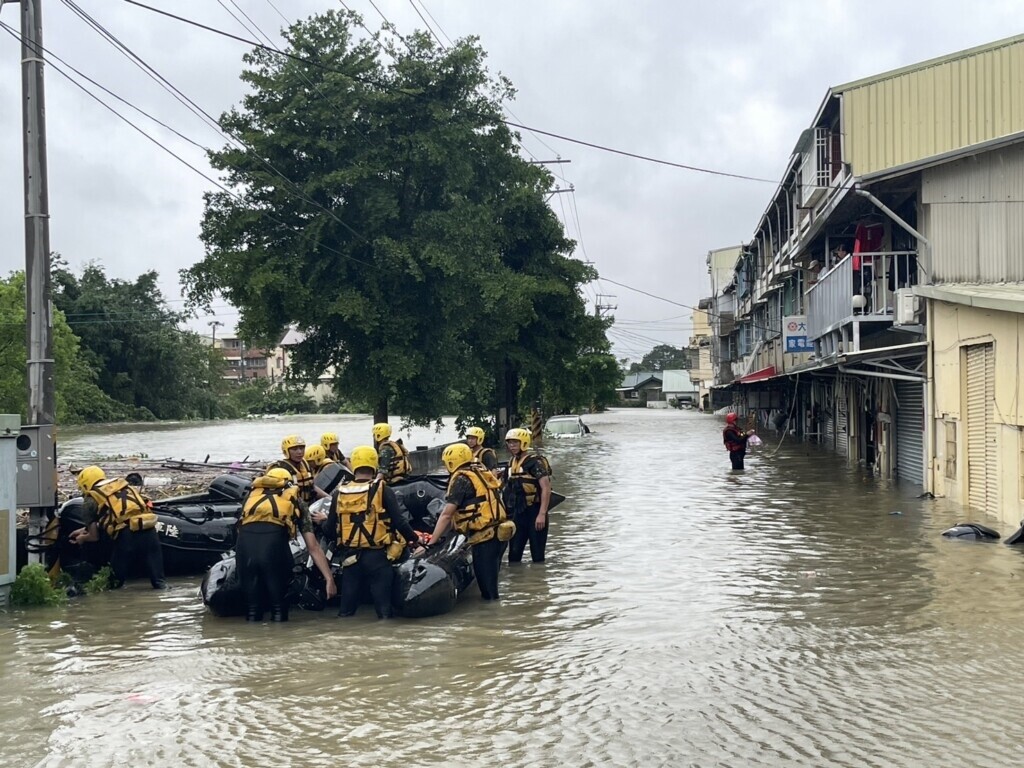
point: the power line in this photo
(312, 62)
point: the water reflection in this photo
(687, 616)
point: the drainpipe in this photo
(904, 225)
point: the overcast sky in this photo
(727, 86)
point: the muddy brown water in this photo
(687, 616)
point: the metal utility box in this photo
(37, 466)
(9, 434)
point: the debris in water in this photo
(895, 512)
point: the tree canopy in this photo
(380, 205)
(664, 357)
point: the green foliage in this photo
(418, 255)
(33, 587)
(134, 351)
(100, 582)
(664, 357)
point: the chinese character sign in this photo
(794, 334)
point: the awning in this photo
(750, 378)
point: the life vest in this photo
(303, 477)
(733, 439)
(480, 452)
(362, 521)
(400, 465)
(121, 506)
(483, 513)
(272, 501)
(519, 478)
(336, 455)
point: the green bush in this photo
(33, 587)
(100, 582)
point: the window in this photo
(951, 450)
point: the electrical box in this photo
(37, 466)
(9, 433)
(908, 307)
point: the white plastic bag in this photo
(753, 441)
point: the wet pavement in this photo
(687, 616)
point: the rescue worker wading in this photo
(474, 508)
(394, 459)
(486, 456)
(125, 517)
(271, 516)
(735, 440)
(329, 441)
(294, 448)
(372, 529)
(527, 494)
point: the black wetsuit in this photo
(486, 555)
(372, 567)
(131, 548)
(525, 516)
(265, 562)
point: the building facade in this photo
(875, 308)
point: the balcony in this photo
(845, 296)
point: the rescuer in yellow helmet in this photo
(271, 516)
(475, 441)
(372, 528)
(394, 459)
(329, 440)
(474, 508)
(294, 449)
(527, 494)
(125, 516)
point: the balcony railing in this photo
(868, 293)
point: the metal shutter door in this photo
(910, 432)
(982, 490)
(842, 422)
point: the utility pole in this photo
(213, 333)
(38, 312)
(602, 309)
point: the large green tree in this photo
(380, 205)
(133, 342)
(664, 357)
(78, 398)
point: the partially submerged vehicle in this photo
(563, 427)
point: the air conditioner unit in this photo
(908, 307)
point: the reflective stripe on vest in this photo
(485, 509)
(272, 505)
(362, 522)
(118, 503)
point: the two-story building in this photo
(898, 216)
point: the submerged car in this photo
(560, 427)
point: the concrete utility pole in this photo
(38, 312)
(213, 332)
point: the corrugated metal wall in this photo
(934, 110)
(974, 217)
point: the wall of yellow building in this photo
(954, 102)
(952, 327)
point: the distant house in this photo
(678, 385)
(641, 387)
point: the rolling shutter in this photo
(982, 487)
(910, 432)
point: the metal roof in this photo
(1004, 297)
(1007, 41)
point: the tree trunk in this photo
(380, 411)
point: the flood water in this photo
(687, 616)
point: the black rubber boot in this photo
(253, 615)
(161, 584)
(279, 614)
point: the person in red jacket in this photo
(735, 440)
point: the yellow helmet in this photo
(327, 439)
(279, 473)
(292, 441)
(381, 431)
(455, 455)
(315, 453)
(522, 435)
(476, 432)
(88, 478)
(364, 456)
